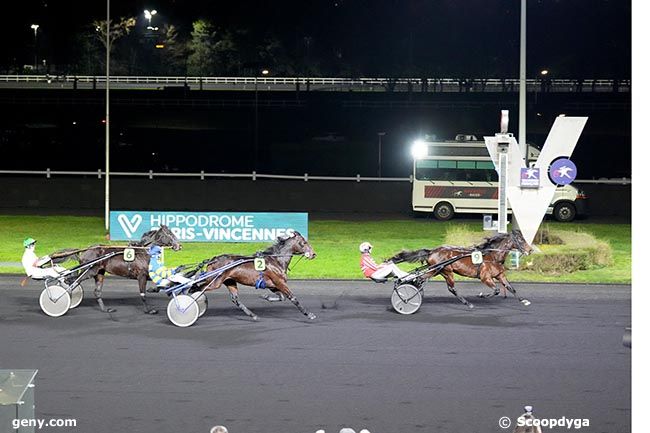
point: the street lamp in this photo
(149, 14)
(35, 28)
(379, 135)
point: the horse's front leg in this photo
(512, 290)
(234, 297)
(142, 283)
(489, 295)
(99, 285)
(451, 286)
(282, 287)
(489, 281)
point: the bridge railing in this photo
(324, 83)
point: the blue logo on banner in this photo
(209, 226)
(562, 171)
(529, 178)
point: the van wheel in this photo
(443, 211)
(564, 212)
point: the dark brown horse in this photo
(137, 269)
(274, 277)
(494, 251)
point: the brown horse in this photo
(137, 269)
(494, 251)
(274, 277)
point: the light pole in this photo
(379, 135)
(107, 206)
(35, 28)
(255, 129)
(265, 72)
(522, 84)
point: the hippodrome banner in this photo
(209, 226)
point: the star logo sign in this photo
(531, 173)
(562, 171)
(529, 177)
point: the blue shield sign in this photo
(209, 226)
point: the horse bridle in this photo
(518, 245)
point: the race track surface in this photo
(359, 364)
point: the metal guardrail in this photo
(255, 176)
(319, 83)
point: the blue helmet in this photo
(154, 250)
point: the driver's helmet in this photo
(365, 247)
(29, 241)
(154, 250)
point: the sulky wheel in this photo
(76, 296)
(182, 311)
(406, 299)
(55, 301)
(201, 300)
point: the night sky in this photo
(571, 38)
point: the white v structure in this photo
(529, 205)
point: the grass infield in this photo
(335, 242)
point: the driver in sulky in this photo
(377, 271)
(33, 265)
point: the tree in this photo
(228, 57)
(117, 30)
(273, 55)
(202, 48)
(87, 52)
(175, 51)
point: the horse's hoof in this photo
(481, 295)
(526, 302)
(470, 306)
(110, 310)
(255, 318)
(152, 311)
(311, 316)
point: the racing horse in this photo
(277, 258)
(138, 269)
(494, 251)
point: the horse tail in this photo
(411, 256)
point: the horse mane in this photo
(146, 237)
(277, 247)
(492, 242)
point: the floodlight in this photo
(419, 149)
